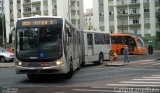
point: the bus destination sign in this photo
(38, 22)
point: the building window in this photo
(111, 13)
(135, 21)
(134, 11)
(11, 2)
(19, 10)
(27, 1)
(11, 20)
(101, 14)
(18, 1)
(146, 0)
(133, 1)
(27, 9)
(146, 10)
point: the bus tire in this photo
(122, 51)
(101, 59)
(83, 64)
(70, 73)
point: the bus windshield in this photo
(140, 42)
(39, 42)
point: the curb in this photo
(6, 65)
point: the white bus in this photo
(47, 45)
(97, 46)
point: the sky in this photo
(87, 4)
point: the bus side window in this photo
(90, 39)
(107, 38)
(68, 33)
(97, 38)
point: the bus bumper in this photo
(42, 70)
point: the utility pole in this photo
(3, 24)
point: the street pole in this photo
(3, 24)
(122, 20)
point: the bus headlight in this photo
(59, 62)
(19, 63)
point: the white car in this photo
(6, 56)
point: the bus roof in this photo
(40, 17)
(93, 31)
(120, 34)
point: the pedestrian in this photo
(150, 50)
(125, 52)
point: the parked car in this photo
(6, 56)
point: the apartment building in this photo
(72, 10)
(1, 7)
(125, 16)
(88, 19)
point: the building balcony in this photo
(45, 12)
(134, 4)
(54, 11)
(122, 5)
(147, 25)
(27, 13)
(27, 3)
(135, 25)
(122, 16)
(36, 12)
(134, 15)
(123, 26)
(36, 3)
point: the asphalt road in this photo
(91, 79)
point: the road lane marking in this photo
(156, 75)
(151, 77)
(140, 69)
(139, 82)
(156, 64)
(132, 85)
(93, 90)
(147, 63)
(146, 79)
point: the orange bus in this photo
(135, 43)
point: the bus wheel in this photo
(32, 76)
(70, 73)
(122, 51)
(101, 59)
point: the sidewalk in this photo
(6, 65)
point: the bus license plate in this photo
(33, 64)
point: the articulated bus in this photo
(135, 43)
(97, 46)
(52, 45)
(47, 45)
